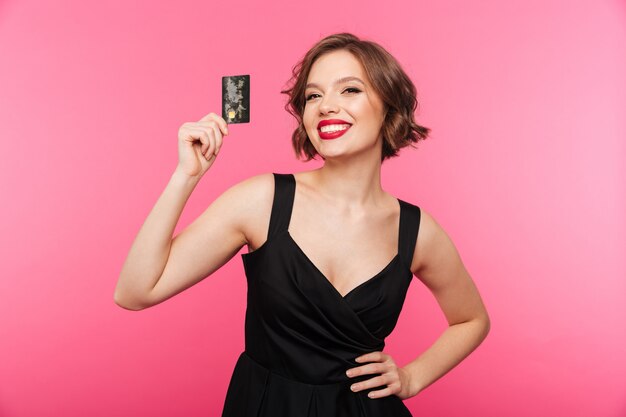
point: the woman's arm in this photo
(438, 265)
(159, 267)
(148, 254)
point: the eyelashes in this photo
(350, 89)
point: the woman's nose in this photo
(328, 105)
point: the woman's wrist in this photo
(413, 386)
(180, 178)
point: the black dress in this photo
(301, 334)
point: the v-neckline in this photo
(319, 271)
(325, 278)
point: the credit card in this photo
(236, 98)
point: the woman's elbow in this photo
(127, 303)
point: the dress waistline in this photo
(257, 391)
(276, 376)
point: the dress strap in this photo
(409, 228)
(284, 190)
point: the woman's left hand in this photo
(397, 380)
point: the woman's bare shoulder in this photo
(252, 193)
(252, 199)
(434, 247)
(254, 185)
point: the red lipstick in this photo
(332, 134)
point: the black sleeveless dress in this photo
(301, 334)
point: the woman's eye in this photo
(349, 89)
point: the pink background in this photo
(525, 169)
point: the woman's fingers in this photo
(217, 134)
(389, 376)
(370, 368)
(216, 131)
(217, 119)
(381, 392)
(200, 140)
(203, 136)
(377, 381)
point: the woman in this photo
(331, 254)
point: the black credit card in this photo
(236, 99)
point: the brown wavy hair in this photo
(388, 79)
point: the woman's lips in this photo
(332, 135)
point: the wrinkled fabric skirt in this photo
(256, 391)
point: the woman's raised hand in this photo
(199, 143)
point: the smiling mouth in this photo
(333, 131)
(334, 128)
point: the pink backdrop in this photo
(525, 169)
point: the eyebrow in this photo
(339, 81)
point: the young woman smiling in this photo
(330, 253)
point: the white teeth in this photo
(334, 128)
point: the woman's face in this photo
(331, 95)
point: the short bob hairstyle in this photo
(388, 80)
